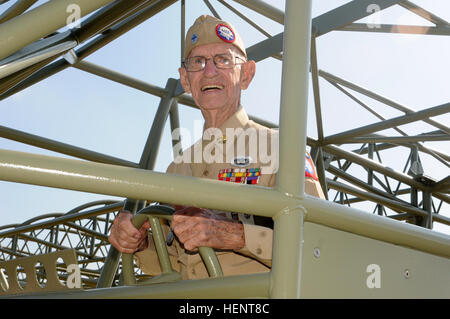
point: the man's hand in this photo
(125, 237)
(198, 227)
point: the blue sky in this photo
(90, 112)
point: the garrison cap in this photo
(207, 30)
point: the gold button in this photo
(222, 139)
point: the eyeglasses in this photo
(221, 61)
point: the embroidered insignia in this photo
(225, 33)
(310, 170)
(241, 161)
(240, 175)
(194, 38)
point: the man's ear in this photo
(184, 81)
(247, 73)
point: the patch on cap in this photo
(225, 33)
(194, 38)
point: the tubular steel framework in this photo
(40, 53)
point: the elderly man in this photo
(215, 70)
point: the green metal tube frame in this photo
(230, 287)
(288, 222)
(28, 27)
(163, 255)
(137, 183)
(153, 214)
(16, 9)
(286, 203)
(27, 78)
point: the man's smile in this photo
(211, 87)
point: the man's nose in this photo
(210, 67)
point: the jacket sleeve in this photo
(258, 243)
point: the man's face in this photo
(213, 88)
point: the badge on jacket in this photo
(241, 161)
(310, 170)
(240, 175)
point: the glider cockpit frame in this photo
(319, 246)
